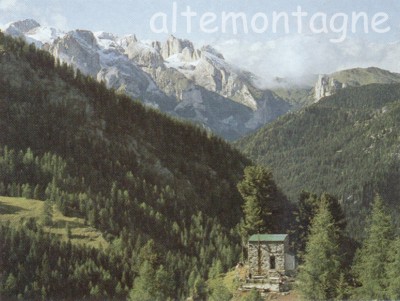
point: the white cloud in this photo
(59, 21)
(300, 55)
(7, 5)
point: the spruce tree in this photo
(319, 275)
(47, 213)
(261, 196)
(393, 271)
(143, 286)
(306, 208)
(373, 257)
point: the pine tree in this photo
(218, 290)
(68, 230)
(164, 285)
(393, 271)
(373, 257)
(306, 208)
(319, 275)
(199, 290)
(261, 197)
(47, 213)
(342, 288)
(143, 286)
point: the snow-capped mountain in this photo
(33, 32)
(174, 76)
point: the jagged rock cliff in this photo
(174, 76)
(329, 84)
(326, 86)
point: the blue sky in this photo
(281, 53)
(133, 16)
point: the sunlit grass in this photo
(13, 210)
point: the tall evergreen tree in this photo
(393, 271)
(307, 208)
(47, 213)
(262, 200)
(318, 276)
(373, 257)
(143, 286)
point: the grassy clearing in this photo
(13, 210)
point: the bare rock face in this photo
(120, 77)
(216, 75)
(20, 28)
(326, 86)
(146, 56)
(184, 48)
(213, 51)
(174, 76)
(329, 84)
(78, 48)
(172, 82)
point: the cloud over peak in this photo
(300, 55)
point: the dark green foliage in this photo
(264, 205)
(47, 213)
(217, 289)
(219, 292)
(346, 144)
(305, 211)
(373, 258)
(343, 289)
(320, 273)
(129, 171)
(36, 266)
(393, 271)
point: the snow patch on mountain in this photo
(174, 76)
(33, 32)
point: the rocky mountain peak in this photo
(175, 46)
(102, 35)
(80, 49)
(21, 27)
(174, 76)
(326, 86)
(85, 36)
(329, 84)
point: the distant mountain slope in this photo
(347, 144)
(131, 172)
(196, 84)
(319, 86)
(329, 84)
(174, 76)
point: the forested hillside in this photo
(347, 145)
(163, 193)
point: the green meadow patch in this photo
(15, 210)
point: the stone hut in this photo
(269, 263)
(268, 255)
